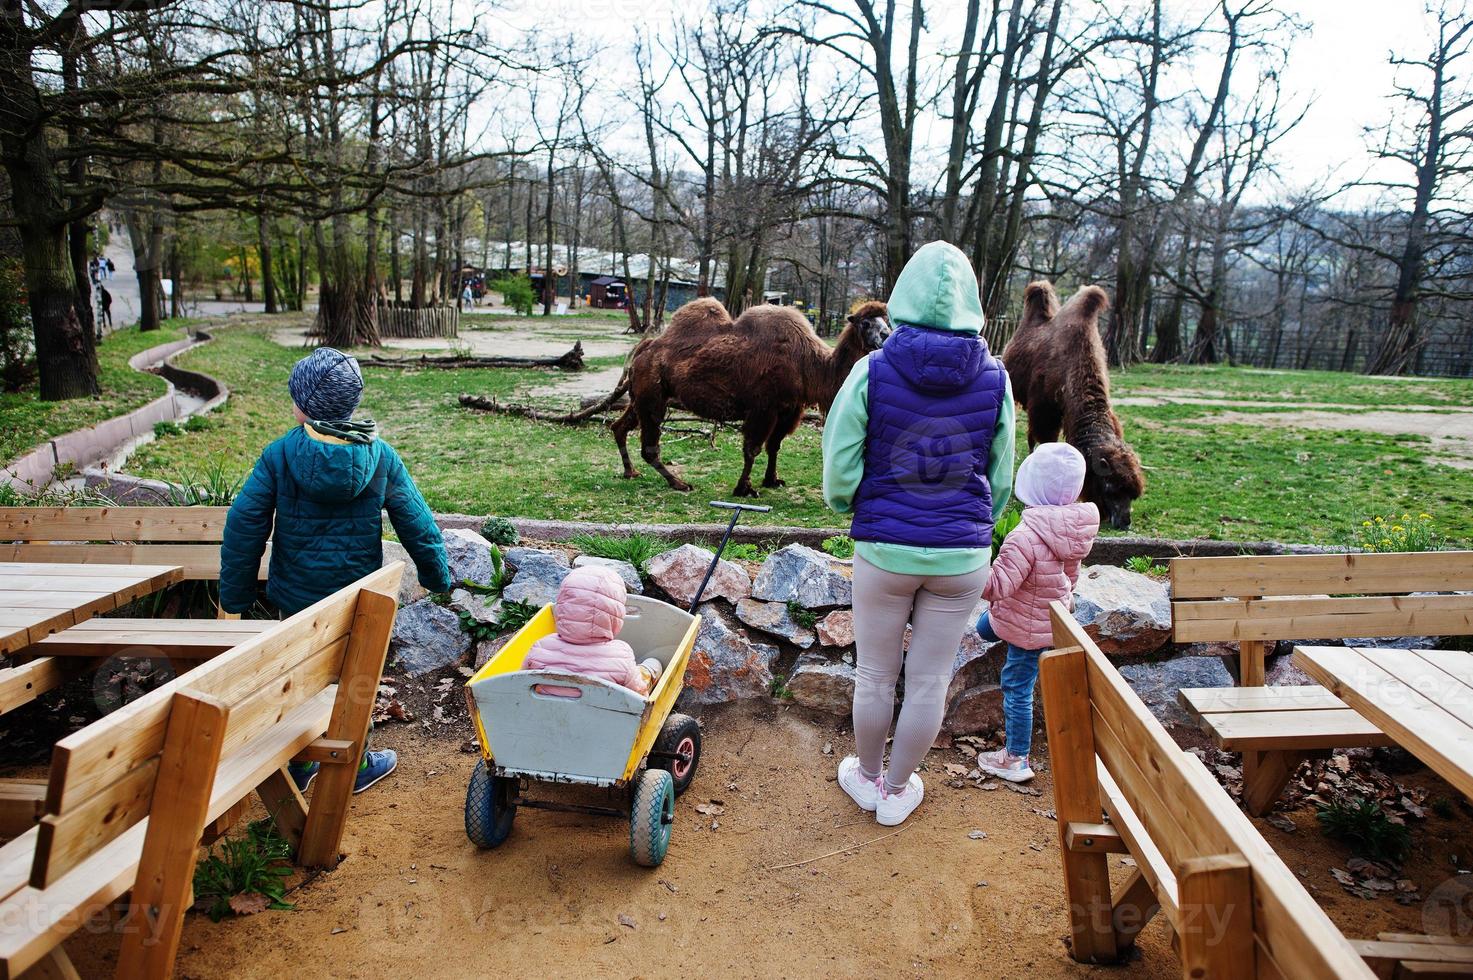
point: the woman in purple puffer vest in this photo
(919, 447)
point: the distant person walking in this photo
(467, 298)
(108, 268)
(105, 308)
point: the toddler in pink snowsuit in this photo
(1037, 564)
(590, 611)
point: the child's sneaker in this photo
(865, 792)
(377, 763)
(893, 808)
(1013, 768)
(303, 773)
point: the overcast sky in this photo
(1339, 61)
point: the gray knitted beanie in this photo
(326, 385)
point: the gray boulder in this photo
(1158, 683)
(487, 649)
(977, 709)
(409, 588)
(679, 573)
(481, 608)
(517, 557)
(726, 664)
(1127, 614)
(624, 569)
(775, 618)
(811, 578)
(539, 573)
(470, 556)
(823, 684)
(427, 637)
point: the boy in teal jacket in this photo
(325, 486)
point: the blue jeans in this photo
(1019, 677)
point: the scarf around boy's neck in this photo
(361, 431)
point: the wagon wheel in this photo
(490, 807)
(651, 815)
(677, 750)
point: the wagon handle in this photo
(736, 515)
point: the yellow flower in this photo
(1386, 542)
(1365, 523)
(1397, 528)
(1380, 520)
(1406, 517)
(1425, 517)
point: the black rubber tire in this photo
(651, 817)
(489, 807)
(679, 733)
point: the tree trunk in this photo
(268, 274)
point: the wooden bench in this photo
(1234, 908)
(1277, 728)
(1257, 600)
(188, 537)
(130, 796)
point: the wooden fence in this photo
(434, 321)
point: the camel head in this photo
(1113, 479)
(872, 321)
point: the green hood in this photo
(938, 289)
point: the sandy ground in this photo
(562, 898)
(557, 340)
(1451, 431)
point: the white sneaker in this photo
(893, 808)
(865, 792)
(1003, 765)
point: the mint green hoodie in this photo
(936, 289)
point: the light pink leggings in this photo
(938, 609)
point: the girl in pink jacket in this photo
(1037, 563)
(590, 613)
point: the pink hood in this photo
(589, 613)
(1038, 563)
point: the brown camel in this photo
(1057, 365)
(762, 370)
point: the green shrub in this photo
(1405, 533)
(636, 549)
(802, 615)
(197, 423)
(245, 874)
(1364, 827)
(499, 577)
(499, 530)
(742, 552)
(840, 546)
(1002, 526)
(516, 292)
(515, 615)
(779, 689)
(210, 487)
(1146, 565)
(167, 427)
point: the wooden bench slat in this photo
(24, 683)
(1206, 578)
(199, 561)
(112, 523)
(1327, 728)
(1306, 618)
(1288, 697)
(1148, 857)
(149, 637)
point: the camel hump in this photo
(1089, 302)
(704, 313)
(1039, 300)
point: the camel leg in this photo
(651, 420)
(754, 433)
(1044, 422)
(622, 426)
(781, 431)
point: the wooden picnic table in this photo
(1422, 699)
(38, 598)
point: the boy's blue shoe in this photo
(376, 764)
(303, 773)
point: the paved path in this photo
(124, 288)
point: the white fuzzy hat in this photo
(1052, 474)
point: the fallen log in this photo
(483, 404)
(571, 361)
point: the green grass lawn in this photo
(26, 421)
(1235, 482)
